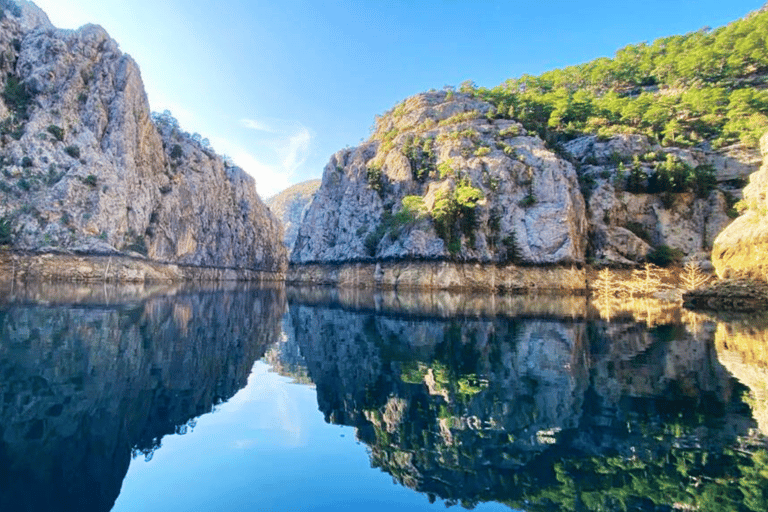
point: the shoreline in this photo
(116, 268)
(440, 275)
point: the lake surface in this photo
(274, 399)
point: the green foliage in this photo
(639, 230)
(56, 131)
(680, 90)
(27, 162)
(392, 225)
(446, 169)
(528, 201)
(482, 151)
(511, 249)
(421, 156)
(72, 151)
(453, 214)
(375, 177)
(6, 232)
(90, 180)
(176, 152)
(135, 243)
(17, 96)
(664, 256)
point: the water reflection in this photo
(92, 375)
(539, 406)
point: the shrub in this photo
(56, 131)
(72, 151)
(527, 201)
(90, 180)
(16, 95)
(176, 152)
(6, 233)
(27, 162)
(665, 255)
(482, 151)
(374, 176)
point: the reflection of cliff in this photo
(742, 347)
(85, 385)
(481, 408)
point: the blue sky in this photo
(281, 85)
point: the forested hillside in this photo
(706, 86)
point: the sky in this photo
(279, 86)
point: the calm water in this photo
(142, 399)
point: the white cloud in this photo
(288, 143)
(295, 152)
(253, 124)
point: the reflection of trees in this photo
(539, 414)
(87, 384)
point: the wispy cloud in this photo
(260, 126)
(287, 143)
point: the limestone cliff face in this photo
(289, 206)
(87, 169)
(474, 189)
(742, 248)
(627, 222)
(442, 178)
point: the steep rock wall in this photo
(86, 168)
(480, 190)
(742, 248)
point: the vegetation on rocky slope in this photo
(681, 90)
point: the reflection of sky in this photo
(266, 450)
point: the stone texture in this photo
(741, 250)
(87, 169)
(531, 203)
(531, 211)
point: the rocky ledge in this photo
(730, 295)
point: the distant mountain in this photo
(289, 205)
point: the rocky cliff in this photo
(741, 250)
(445, 178)
(86, 168)
(438, 180)
(289, 206)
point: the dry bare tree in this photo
(693, 277)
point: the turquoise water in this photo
(270, 399)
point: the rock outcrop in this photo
(87, 169)
(741, 250)
(445, 179)
(439, 180)
(289, 206)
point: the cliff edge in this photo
(85, 168)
